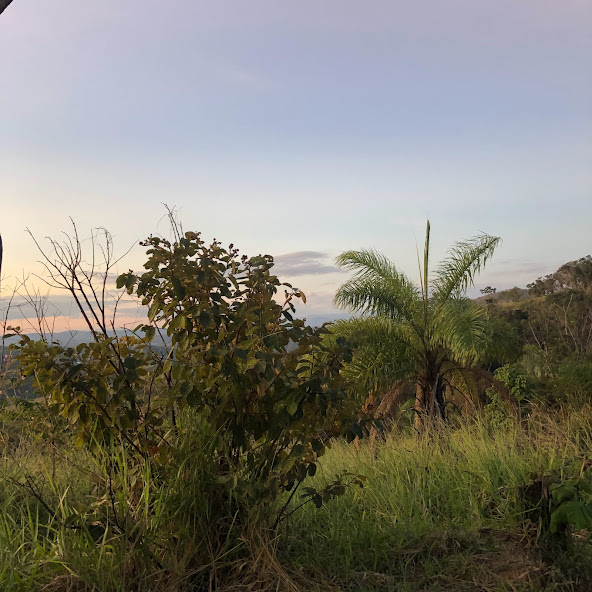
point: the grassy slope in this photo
(435, 514)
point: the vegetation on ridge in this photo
(223, 460)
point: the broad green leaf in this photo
(575, 513)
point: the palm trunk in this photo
(430, 406)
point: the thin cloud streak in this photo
(304, 263)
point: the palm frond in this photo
(465, 393)
(460, 328)
(368, 261)
(384, 351)
(377, 329)
(475, 384)
(502, 343)
(426, 257)
(377, 287)
(465, 260)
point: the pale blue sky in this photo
(310, 126)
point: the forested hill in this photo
(549, 328)
(572, 277)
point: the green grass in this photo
(438, 513)
(62, 527)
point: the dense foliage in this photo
(552, 325)
(222, 398)
(268, 410)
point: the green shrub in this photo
(269, 411)
(191, 444)
(574, 377)
(515, 381)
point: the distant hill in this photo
(571, 276)
(514, 294)
(316, 320)
(66, 338)
(74, 338)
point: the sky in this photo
(300, 129)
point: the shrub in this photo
(270, 411)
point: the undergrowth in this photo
(441, 512)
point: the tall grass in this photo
(64, 525)
(429, 501)
(442, 512)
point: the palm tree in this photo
(422, 333)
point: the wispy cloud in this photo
(239, 77)
(304, 263)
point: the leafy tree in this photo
(422, 333)
(574, 275)
(560, 324)
(554, 318)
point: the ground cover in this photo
(441, 512)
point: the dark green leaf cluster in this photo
(560, 504)
(99, 387)
(572, 500)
